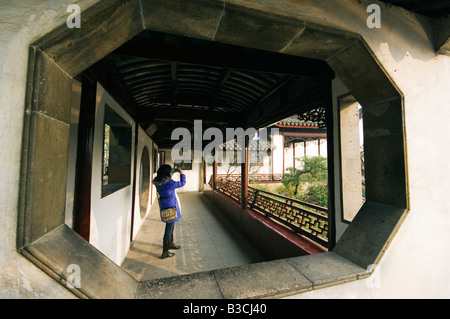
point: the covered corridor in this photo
(208, 242)
(217, 261)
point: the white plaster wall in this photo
(267, 165)
(278, 154)
(288, 158)
(143, 140)
(110, 215)
(312, 149)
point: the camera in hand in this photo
(174, 170)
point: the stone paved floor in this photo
(208, 242)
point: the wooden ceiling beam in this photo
(173, 78)
(148, 45)
(150, 115)
(295, 96)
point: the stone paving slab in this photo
(193, 286)
(327, 269)
(215, 261)
(262, 280)
(208, 242)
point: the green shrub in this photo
(308, 184)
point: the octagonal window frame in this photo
(57, 58)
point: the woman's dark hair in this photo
(163, 171)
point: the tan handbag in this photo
(169, 214)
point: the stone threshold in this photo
(101, 278)
(272, 279)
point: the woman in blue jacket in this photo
(165, 186)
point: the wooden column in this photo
(293, 154)
(135, 179)
(282, 173)
(214, 173)
(244, 176)
(271, 156)
(318, 146)
(204, 171)
(330, 164)
(83, 175)
(151, 172)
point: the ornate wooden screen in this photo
(263, 178)
(303, 218)
(306, 219)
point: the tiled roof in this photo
(295, 121)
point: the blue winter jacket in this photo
(166, 189)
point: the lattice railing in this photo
(231, 189)
(301, 217)
(304, 218)
(263, 178)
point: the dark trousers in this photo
(169, 231)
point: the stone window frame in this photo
(347, 212)
(144, 181)
(125, 130)
(58, 57)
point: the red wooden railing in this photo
(263, 178)
(304, 218)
